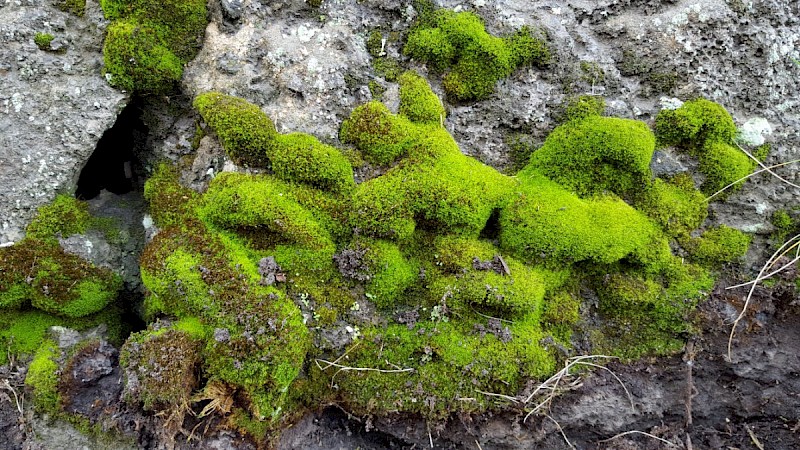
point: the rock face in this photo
(54, 106)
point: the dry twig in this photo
(671, 444)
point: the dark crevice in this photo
(113, 166)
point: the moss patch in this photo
(42, 379)
(458, 44)
(148, 42)
(43, 40)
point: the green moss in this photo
(388, 68)
(302, 158)
(723, 165)
(417, 102)
(149, 41)
(64, 216)
(381, 136)
(243, 129)
(43, 40)
(717, 246)
(592, 73)
(375, 44)
(546, 220)
(42, 379)
(597, 154)
(584, 106)
(436, 186)
(694, 123)
(170, 203)
(391, 273)
(76, 7)
(675, 205)
(475, 60)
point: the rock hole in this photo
(491, 230)
(113, 166)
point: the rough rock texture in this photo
(54, 107)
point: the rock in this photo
(232, 8)
(666, 164)
(49, 124)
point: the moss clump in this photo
(64, 216)
(417, 102)
(76, 7)
(546, 220)
(436, 186)
(250, 139)
(42, 379)
(597, 154)
(170, 203)
(723, 165)
(675, 205)
(43, 40)
(161, 367)
(149, 41)
(380, 135)
(694, 123)
(474, 60)
(717, 246)
(706, 131)
(242, 128)
(584, 106)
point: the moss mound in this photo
(148, 42)
(474, 60)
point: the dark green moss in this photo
(597, 154)
(474, 60)
(149, 41)
(76, 7)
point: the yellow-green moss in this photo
(149, 41)
(474, 60)
(170, 203)
(42, 379)
(584, 106)
(675, 205)
(76, 7)
(723, 164)
(380, 135)
(547, 221)
(597, 154)
(43, 40)
(417, 102)
(694, 123)
(717, 246)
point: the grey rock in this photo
(54, 107)
(666, 164)
(232, 8)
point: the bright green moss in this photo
(302, 158)
(723, 164)
(417, 102)
(694, 123)
(584, 106)
(137, 60)
(43, 40)
(391, 273)
(675, 205)
(64, 216)
(380, 135)
(243, 129)
(436, 186)
(547, 221)
(170, 203)
(717, 246)
(42, 378)
(149, 41)
(476, 60)
(561, 309)
(597, 154)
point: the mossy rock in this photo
(417, 102)
(694, 123)
(717, 246)
(675, 205)
(380, 135)
(42, 378)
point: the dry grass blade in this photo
(785, 248)
(6, 386)
(786, 266)
(671, 444)
(765, 169)
(343, 368)
(221, 396)
(560, 430)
